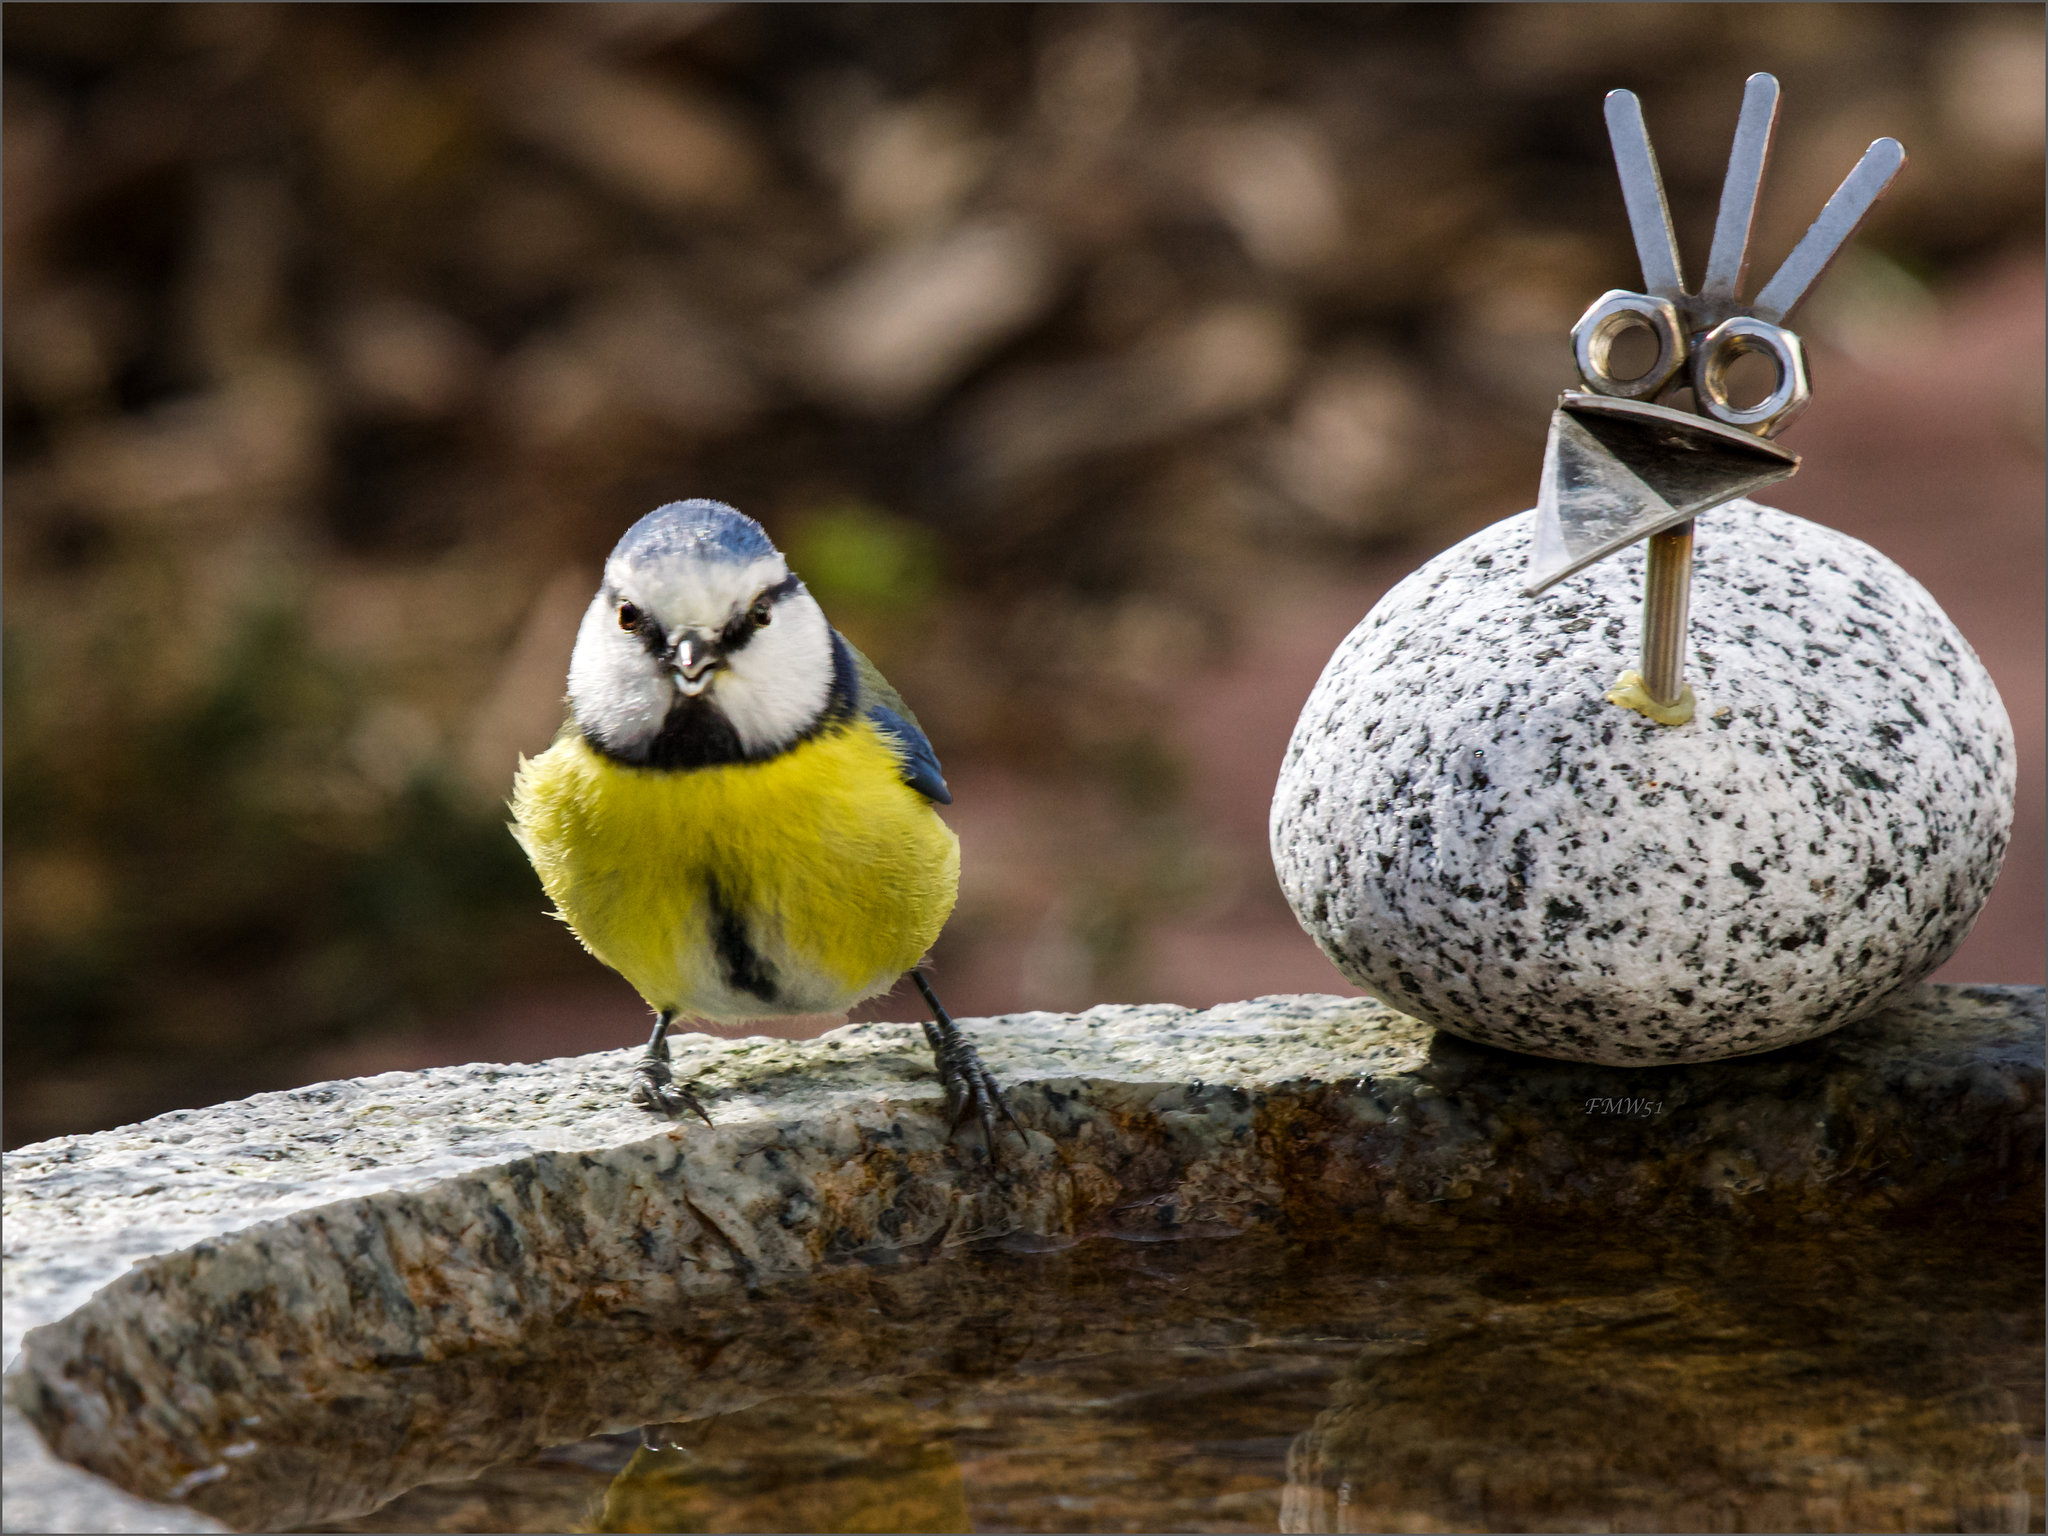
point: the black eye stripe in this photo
(742, 628)
(734, 636)
(642, 627)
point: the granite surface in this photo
(1471, 832)
(184, 1298)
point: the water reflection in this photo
(1483, 1379)
(795, 1465)
(1670, 1408)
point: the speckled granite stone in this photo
(1471, 832)
(279, 1282)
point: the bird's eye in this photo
(758, 614)
(629, 616)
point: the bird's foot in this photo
(655, 1088)
(970, 1086)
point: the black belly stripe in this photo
(744, 967)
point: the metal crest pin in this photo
(1620, 467)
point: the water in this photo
(1485, 1378)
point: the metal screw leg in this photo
(1658, 688)
(1667, 597)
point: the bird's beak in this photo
(695, 661)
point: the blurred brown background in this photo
(1099, 366)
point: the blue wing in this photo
(883, 707)
(920, 765)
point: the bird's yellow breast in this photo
(799, 884)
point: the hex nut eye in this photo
(1717, 353)
(1618, 311)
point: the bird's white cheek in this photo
(613, 686)
(775, 689)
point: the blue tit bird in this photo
(738, 814)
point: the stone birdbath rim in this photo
(130, 1248)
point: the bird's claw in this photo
(970, 1087)
(656, 1090)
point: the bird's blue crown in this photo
(694, 530)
